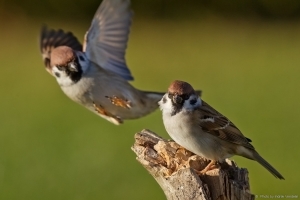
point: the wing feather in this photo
(108, 35)
(218, 125)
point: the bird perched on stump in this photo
(199, 128)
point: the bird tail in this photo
(156, 96)
(149, 102)
(159, 95)
(266, 165)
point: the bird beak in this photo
(73, 67)
(49, 70)
(177, 99)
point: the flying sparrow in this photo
(199, 128)
(95, 75)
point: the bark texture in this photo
(172, 167)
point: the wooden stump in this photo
(172, 167)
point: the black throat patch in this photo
(177, 107)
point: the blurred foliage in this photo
(70, 9)
(247, 67)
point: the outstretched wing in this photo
(50, 39)
(108, 35)
(218, 125)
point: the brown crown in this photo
(61, 56)
(180, 88)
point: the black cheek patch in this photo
(176, 109)
(57, 74)
(75, 75)
(164, 99)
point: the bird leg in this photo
(103, 112)
(117, 101)
(210, 166)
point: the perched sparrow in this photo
(198, 127)
(95, 75)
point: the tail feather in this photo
(266, 165)
(154, 95)
(159, 95)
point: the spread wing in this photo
(218, 125)
(107, 37)
(50, 38)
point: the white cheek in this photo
(188, 106)
(63, 79)
(165, 107)
(56, 73)
(161, 102)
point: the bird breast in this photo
(185, 131)
(78, 92)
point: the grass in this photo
(51, 148)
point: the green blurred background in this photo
(243, 55)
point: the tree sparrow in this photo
(95, 75)
(198, 127)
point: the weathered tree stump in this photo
(172, 167)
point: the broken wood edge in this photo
(172, 167)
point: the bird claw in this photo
(115, 119)
(212, 165)
(124, 103)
